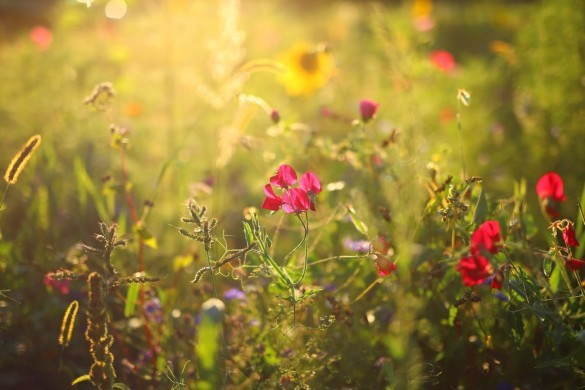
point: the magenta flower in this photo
(285, 177)
(272, 201)
(312, 186)
(295, 200)
(368, 109)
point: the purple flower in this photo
(234, 293)
(356, 245)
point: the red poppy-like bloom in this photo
(474, 269)
(574, 264)
(368, 109)
(385, 266)
(272, 201)
(285, 177)
(443, 60)
(293, 200)
(486, 238)
(569, 235)
(550, 185)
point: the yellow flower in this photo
(307, 68)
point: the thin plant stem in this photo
(460, 137)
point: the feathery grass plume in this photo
(133, 279)
(101, 372)
(109, 240)
(68, 323)
(21, 158)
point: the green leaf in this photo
(80, 379)
(481, 209)
(357, 223)
(452, 315)
(131, 297)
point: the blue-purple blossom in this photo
(234, 293)
(362, 246)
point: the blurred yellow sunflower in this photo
(308, 68)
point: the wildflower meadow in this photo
(249, 194)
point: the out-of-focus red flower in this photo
(272, 201)
(443, 60)
(385, 266)
(285, 177)
(474, 269)
(60, 285)
(295, 200)
(42, 37)
(574, 264)
(569, 235)
(486, 238)
(550, 190)
(368, 109)
(550, 185)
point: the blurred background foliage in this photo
(179, 69)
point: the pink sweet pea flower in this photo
(295, 200)
(368, 109)
(443, 60)
(272, 201)
(486, 238)
(285, 177)
(312, 186)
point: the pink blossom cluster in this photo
(294, 199)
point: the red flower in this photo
(368, 109)
(443, 60)
(550, 190)
(272, 201)
(295, 200)
(285, 177)
(569, 235)
(550, 185)
(474, 269)
(486, 238)
(385, 266)
(574, 264)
